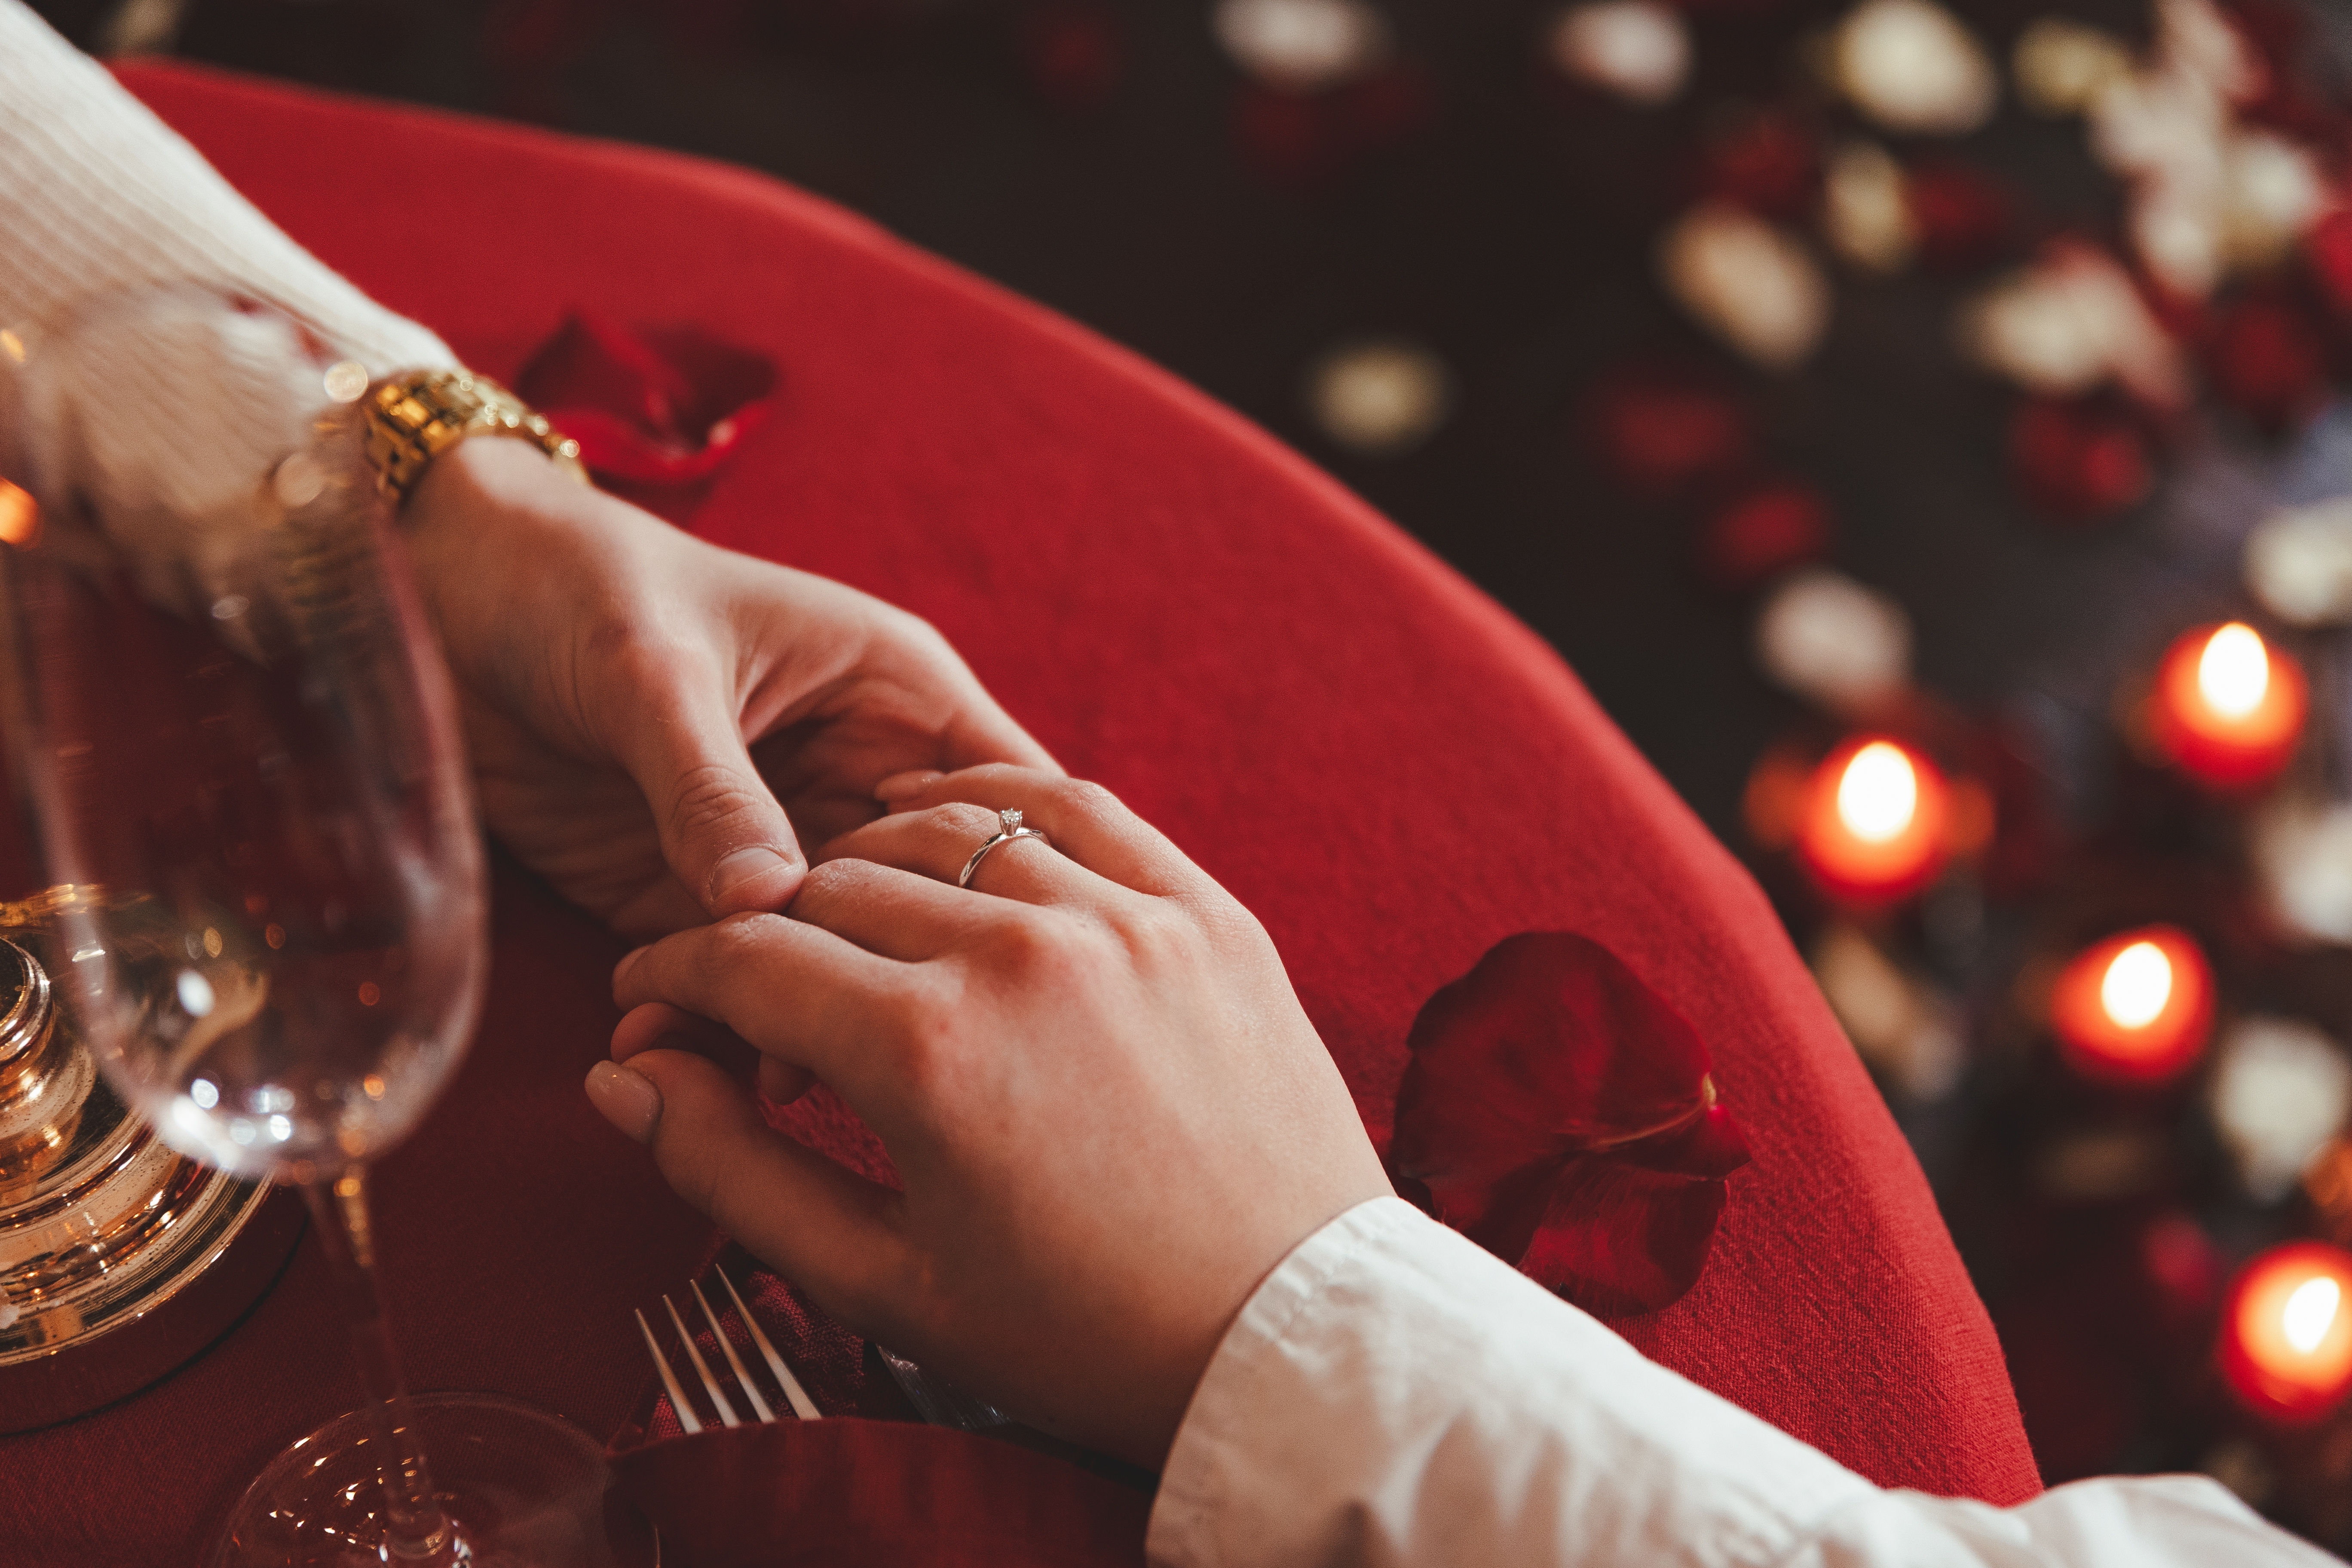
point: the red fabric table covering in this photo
(1383, 765)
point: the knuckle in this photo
(1043, 951)
(706, 797)
(918, 635)
(1225, 922)
(738, 938)
(651, 669)
(835, 879)
(1088, 807)
(1086, 798)
(963, 820)
(1157, 935)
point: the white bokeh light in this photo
(1637, 50)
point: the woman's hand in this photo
(1111, 1116)
(657, 724)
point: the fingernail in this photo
(906, 786)
(628, 961)
(628, 1099)
(743, 866)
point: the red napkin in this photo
(851, 1491)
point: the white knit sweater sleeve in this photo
(100, 205)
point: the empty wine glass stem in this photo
(416, 1530)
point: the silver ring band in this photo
(1008, 829)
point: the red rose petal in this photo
(1621, 1239)
(1560, 1113)
(666, 407)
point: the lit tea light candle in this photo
(2229, 708)
(1873, 828)
(2134, 1009)
(2287, 1331)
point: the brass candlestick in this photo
(120, 1257)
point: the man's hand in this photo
(1110, 1114)
(657, 724)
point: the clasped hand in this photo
(657, 725)
(1112, 1116)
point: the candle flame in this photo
(1878, 794)
(2310, 1312)
(2234, 672)
(2138, 985)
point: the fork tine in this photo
(742, 1378)
(702, 1369)
(686, 1417)
(797, 1396)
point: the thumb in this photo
(835, 1234)
(722, 833)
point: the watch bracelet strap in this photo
(409, 420)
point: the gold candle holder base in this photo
(120, 1258)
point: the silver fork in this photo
(794, 1395)
(935, 1400)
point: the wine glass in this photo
(239, 752)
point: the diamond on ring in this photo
(1008, 828)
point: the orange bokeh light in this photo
(20, 517)
(2287, 1331)
(2228, 707)
(2134, 1009)
(1873, 825)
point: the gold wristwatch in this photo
(411, 420)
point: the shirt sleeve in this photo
(117, 384)
(1394, 1394)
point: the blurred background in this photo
(1918, 425)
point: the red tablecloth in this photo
(1376, 759)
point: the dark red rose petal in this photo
(1621, 1239)
(1560, 1113)
(663, 407)
(1551, 1046)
